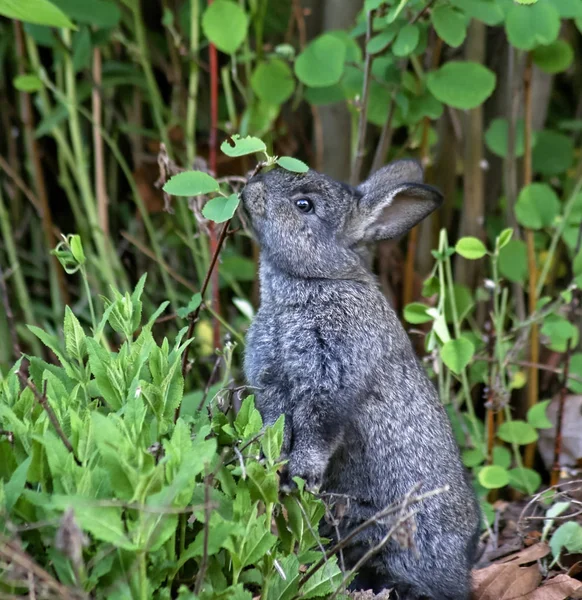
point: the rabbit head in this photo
(311, 226)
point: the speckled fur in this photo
(328, 351)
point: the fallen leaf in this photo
(557, 588)
(508, 578)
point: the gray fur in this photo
(328, 351)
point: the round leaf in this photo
(525, 480)
(406, 40)
(221, 209)
(461, 84)
(553, 153)
(450, 24)
(225, 24)
(237, 146)
(493, 477)
(513, 261)
(487, 11)
(569, 536)
(537, 206)
(456, 354)
(501, 457)
(555, 57)
(568, 9)
(536, 415)
(292, 164)
(273, 81)
(472, 457)
(321, 64)
(532, 25)
(471, 248)
(575, 385)
(497, 135)
(380, 41)
(416, 312)
(559, 331)
(191, 183)
(517, 432)
(41, 12)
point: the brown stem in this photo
(9, 315)
(533, 378)
(362, 121)
(555, 474)
(42, 400)
(385, 140)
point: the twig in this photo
(100, 187)
(374, 519)
(9, 314)
(385, 140)
(42, 400)
(362, 122)
(209, 382)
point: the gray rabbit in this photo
(327, 350)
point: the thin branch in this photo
(42, 400)
(362, 122)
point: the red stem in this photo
(212, 141)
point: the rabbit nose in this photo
(253, 197)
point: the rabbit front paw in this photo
(309, 467)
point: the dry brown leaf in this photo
(508, 579)
(557, 588)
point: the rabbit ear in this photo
(393, 200)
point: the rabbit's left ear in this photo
(393, 200)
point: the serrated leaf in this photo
(14, 487)
(292, 164)
(221, 209)
(74, 336)
(239, 146)
(191, 183)
(324, 581)
(457, 354)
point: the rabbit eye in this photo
(304, 205)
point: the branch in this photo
(9, 314)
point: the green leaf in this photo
(221, 209)
(517, 432)
(225, 24)
(555, 57)
(191, 183)
(15, 486)
(472, 457)
(450, 24)
(513, 261)
(493, 477)
(416, 313)
(504, 238)
(559, 331)
(74, 336)
(27, 83)
(532, 25)
(461, 84)
(497, 135)
(575, 385)
(525, 480)
(553, 153)
(285, 588)
(41, 12)
(501, 457)
(568, 536)
(487, 11)
(292, 164)
(536, 415)
(471, 248)
(406, 40)
(457, 354)
(537, 206)
(272, 440)
(323, 582)
(273, 81)
(568, 9)
(97, 13)
(380, 42)
(77, 249)
(238, 146)
(321, 64)
(194, 303)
